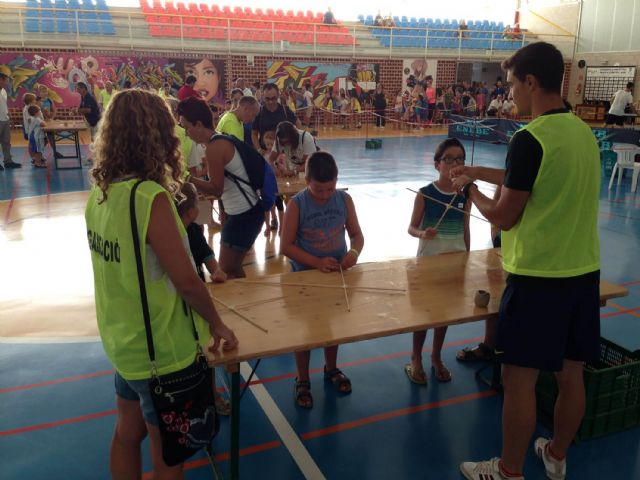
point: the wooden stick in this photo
(445, 204)
(344, 285)
(245, 318)
(445, 211)
(391, 291)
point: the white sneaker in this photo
(489, 470)
(556, 470)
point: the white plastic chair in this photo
(626, 155)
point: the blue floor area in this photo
(382, 437)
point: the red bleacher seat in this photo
(170, 8)
(279, 13)
(248, 12)
(226, 10)
(258, 13)
(146, 8)
(237, 11)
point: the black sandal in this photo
(302, 392)
(481, 353)
(339, 380)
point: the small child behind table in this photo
(451, 235)
(28, 99)
(202, 254)
(313, 237)
(271, 221)
(37, 137)
(200, 249)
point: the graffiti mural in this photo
(322, 77)
(60, 73)
(417, 70)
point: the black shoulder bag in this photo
(184, 400)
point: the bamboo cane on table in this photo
(344, 286)
(244, 317)
(389, 291)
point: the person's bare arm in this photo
(164, 239)
(217, 155)
(356, 238)
(504, 212)
(255, 138)
(467, 229)
(486, 174)
(416, 219)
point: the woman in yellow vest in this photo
(136, 142)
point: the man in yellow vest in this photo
(548, 211)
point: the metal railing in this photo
(135, 29)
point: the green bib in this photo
(117, 292)
(557, 234)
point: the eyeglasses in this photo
(452, 160)
(270, 99)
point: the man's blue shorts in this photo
(546, 320)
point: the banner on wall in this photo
(322, 77)
(500, 130)
(61, 72)
(417, 70)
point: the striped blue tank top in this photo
(450, 237)
(321, 228)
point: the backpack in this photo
(314, 140)
(262, 180)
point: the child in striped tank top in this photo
(438, 233)
(313, 236)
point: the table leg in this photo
(76, 138)
(235, 421)
(55, 150)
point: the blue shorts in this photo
(544, 321)
(239, 232)
(137, 390)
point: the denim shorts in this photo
(240, 231)
(137, 390)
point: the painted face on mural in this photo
(207, 78)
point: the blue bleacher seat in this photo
(361, 18)
(101, 5)
(107, 29)
(31, 23)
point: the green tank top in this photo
(557, 234)
(117, 292)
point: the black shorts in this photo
(546, 320)
(617, 119)
(240, 231)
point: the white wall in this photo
(610, 26)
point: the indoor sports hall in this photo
(57, 398)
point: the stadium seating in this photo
(59, 16)
(243, 24)
(441, 33)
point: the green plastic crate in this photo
(612, 388)
(373, 143)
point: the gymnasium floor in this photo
(56, 386)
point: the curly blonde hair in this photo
(136, 138)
